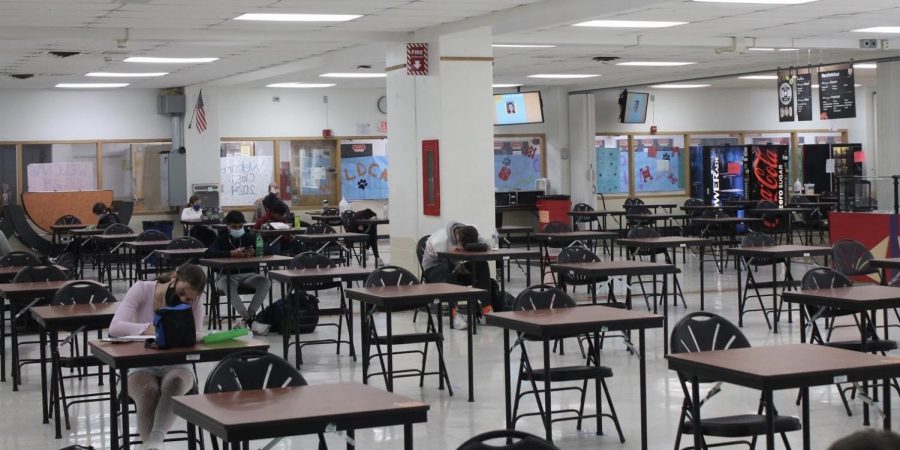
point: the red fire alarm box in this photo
(431, 178)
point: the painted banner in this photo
(364, 170)
(62, 176)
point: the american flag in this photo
(199, 114)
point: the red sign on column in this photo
(416, 58)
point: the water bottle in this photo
(384, 210)
(495, 241)
(259, 245)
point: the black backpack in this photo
(175, 327)
(280, 316)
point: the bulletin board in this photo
(519, 160)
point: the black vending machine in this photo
(847, 163)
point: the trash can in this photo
(553, 208)
(163, 226)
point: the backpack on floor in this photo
(280, 317)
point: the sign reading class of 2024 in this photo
(837, 93)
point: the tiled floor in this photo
(452, 419)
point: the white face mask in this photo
(237, 234)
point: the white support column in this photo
(887, 112)
(582, 128)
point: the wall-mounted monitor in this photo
(633, 107)
(518, 108)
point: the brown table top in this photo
(270, 413)
(572, 321)
(200, 221)
(116, 237)
(661, 216)
(780, 211)
(575, 236)
(816, 204)
(68, 226)
(598, 213)
(8, 272)
(651, 205)
(781, 251)
(286, 231)
(133, 354)
(710, 207)
(529, 207)
(888, 263)
(70, 317)
(665, 242)
(784, 366)
(341, 273)
(148, 245)
(515, 229)
(413, 294)
(87, 232)
(37, 288)
(857, 298)
(724, 220)
(325, 217)
(615, 268)
(244, 263)
(340, 236)
(490, 255)
(174, 252)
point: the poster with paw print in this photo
(364, 170)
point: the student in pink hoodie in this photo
(152, 388)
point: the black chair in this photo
(518, 440)
(420, 253)
(253, 370)
(752, 264)
(638, 209)
(124, 210)
(702, 332)
(851, 258)
(579, 254)
(689, 228)
(348, 223)
(24, 232)
(110, 257)
(80, 359)
(17, 259)
(19, 313)
(548, 297)
(722, 235)
(332, 249)
(185, 242)
(639, 253)
(809, 222)
(588, 221)
(67, 219)
(775, 223)
(311, 260)
(398, 276)
(631, 201)
(152, 235)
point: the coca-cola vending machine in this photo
(767, 173)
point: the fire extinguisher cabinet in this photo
(553, 208)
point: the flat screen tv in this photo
(518, 108)
(633, 107)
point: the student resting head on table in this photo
(152, 388)
(237, 242)
(105, 215)
(193, 210)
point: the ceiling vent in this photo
(63, 54)
(605, 58)
(22, 76)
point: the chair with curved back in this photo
(541, 297)
(19, 259)
(639, 253)
(124, 209)
(631, 201)
(774, 224)
(702, 332)
(761, 290)
(851, 259)
(78, 292)
(588, 221)
(522, 441)
(253, 370)
(23, 230)
(67, 219)
(28, 274)
(398, 276)
(312, 260)
(152, 235)
(184, 243)
(109, 256)
(118, 228)
(331, 248)
(61, 241)
(689, 228)
(420, 253)
(579, 254)
(633, 213)
(333, 216)
(722, 235)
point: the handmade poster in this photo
(657, 166)
(612, 171)
(364, 170)
(837, 92)
(517, 163)
(244, 179)
(62, 176)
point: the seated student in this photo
(455, 236)
(371, 230)
(264, 204)
(236, 242)
(152, 388)
(279, 212)
(105, 215)
(193, 210)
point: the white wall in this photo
(50, 115)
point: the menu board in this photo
(837, 93)
(804, 96)
(785, 96)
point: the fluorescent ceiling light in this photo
(562, 76)
(788, 49)
(627, 24)
(761, 49)
(158, 60)
(300, 85)
(506, 85)
(865, 66)
(523, 46)
(90, 85)
(654, 63)
(679, 86)
(760, 2)
(298, 17)
(759, 77)
(814, 86)
(353, 75)
(878, 30)
(126, 74)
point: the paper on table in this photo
(136, 338)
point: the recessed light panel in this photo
(884, 30)
(523, 46)
(126, 74)
(353, 75)
(91, 85)
(679, 86)
(654, 63)
(298, 17)
(627, 24)
(160, 60)
(300, 85)
(562, 76)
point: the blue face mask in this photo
(237, 234)
(196, 207)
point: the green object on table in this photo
(221, 336)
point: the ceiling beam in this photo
(588, 40)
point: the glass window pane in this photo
(9, 192)
(150, 176)
(313, 174)
(518, 162)
(657, 164)
(117, 170)
(59, 167)
(612, 164)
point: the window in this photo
(658, 164)
(149, 174)
(518, 162)
(59, 167)
(612, 165)
(313, 174)
(9, 189)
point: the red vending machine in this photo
(767, 172)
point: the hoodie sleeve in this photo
(131, 318)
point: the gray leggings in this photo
(152, 394)
(257, 282)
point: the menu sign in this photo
(837, 94)
(785, 96)
(804, 96)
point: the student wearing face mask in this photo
(235, 241)
(193, 210)
(152, 388)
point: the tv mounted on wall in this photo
(633, 107)
(518, 108)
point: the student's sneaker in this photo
(379, 262)
(259, 328)
(457, 321)
(241, 323)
